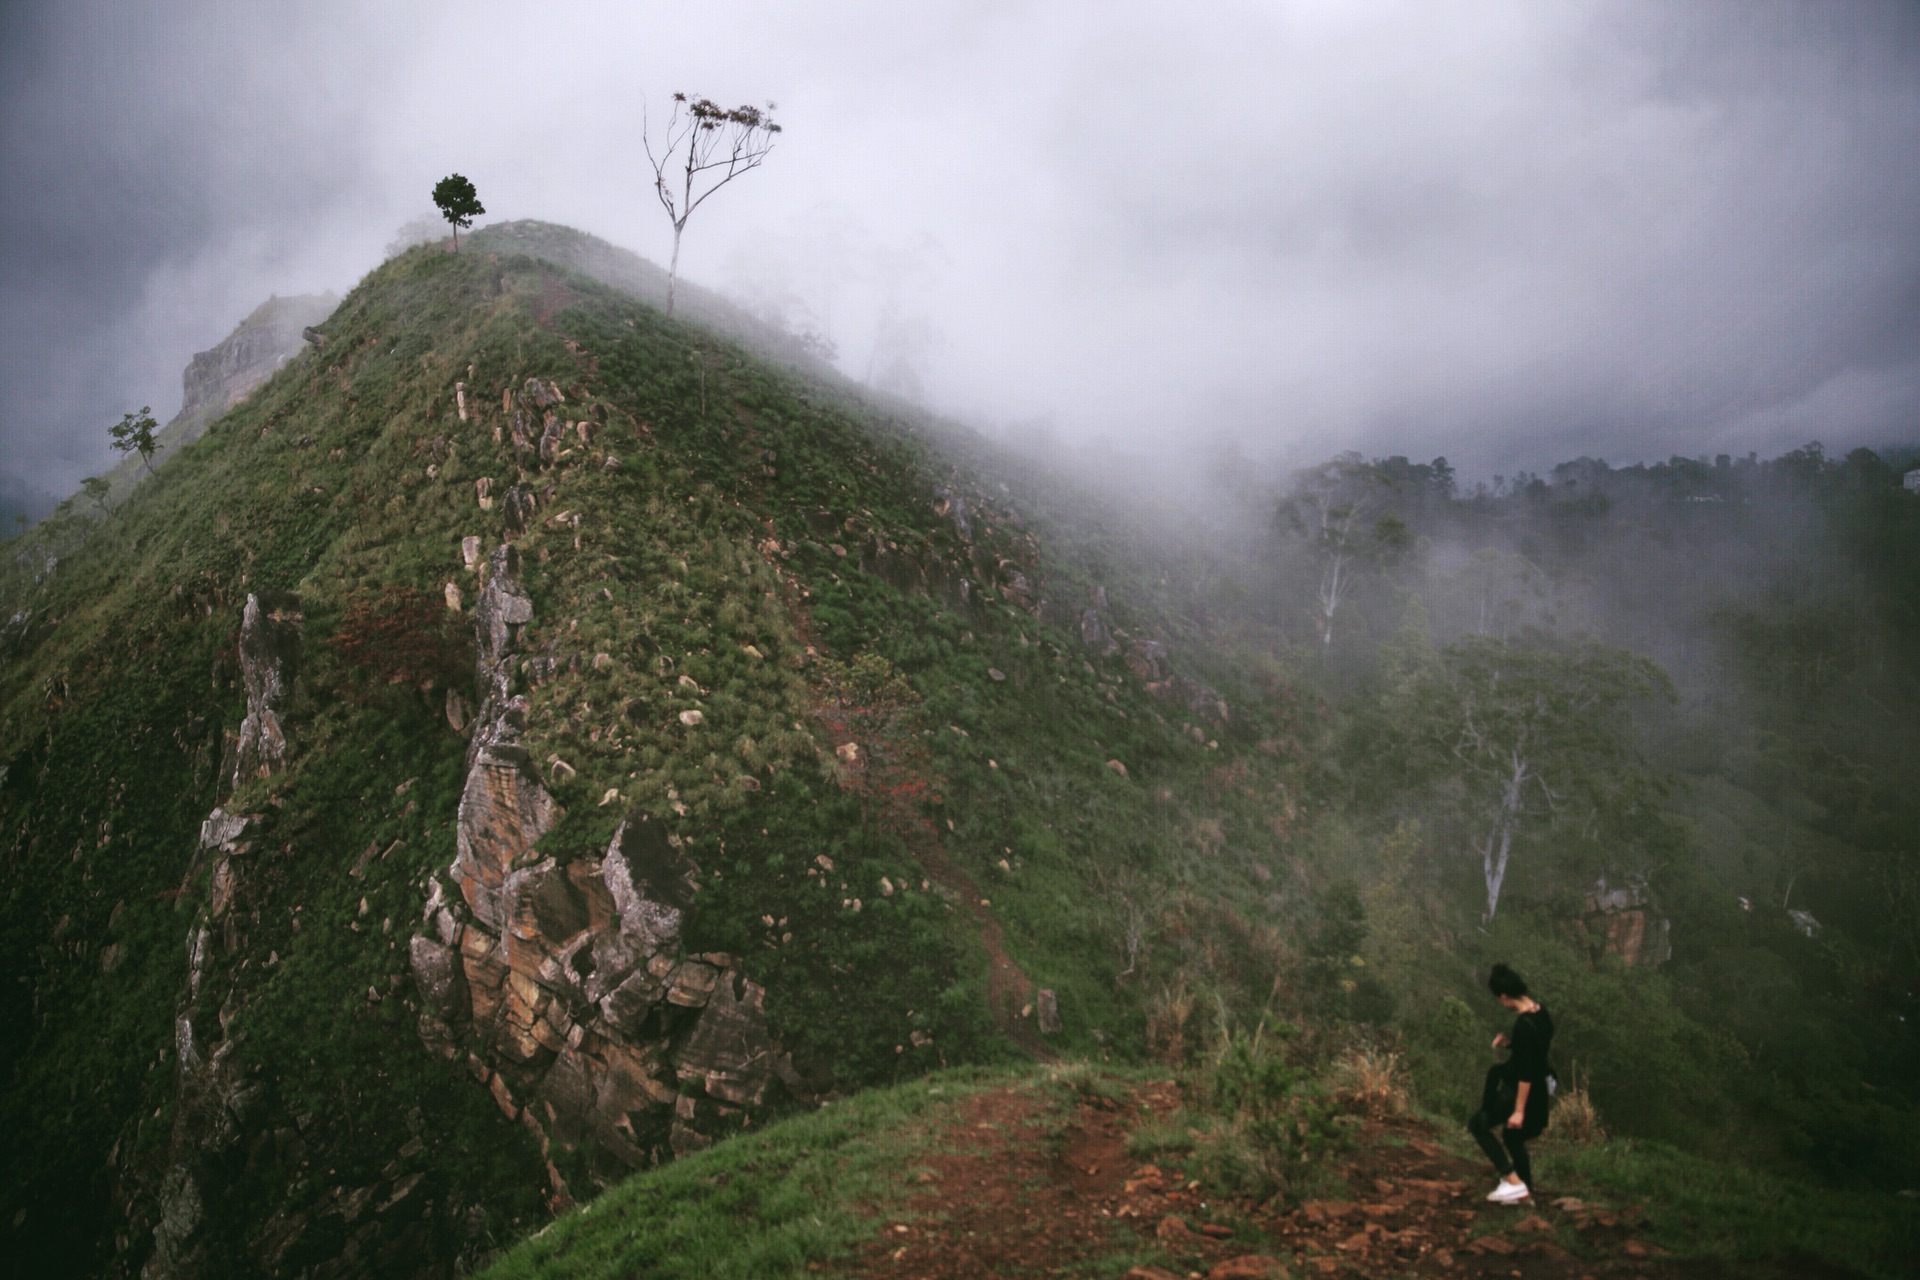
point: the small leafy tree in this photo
(96, 490)
(458, 203)
(705, 147)
(134, 434)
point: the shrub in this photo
(1372, 1081)
(1268, 1134)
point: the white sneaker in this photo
(1508, 1193)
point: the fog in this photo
(1509, 233)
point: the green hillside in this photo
(530, 740)
(700, 533)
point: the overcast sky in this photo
(1506, 232)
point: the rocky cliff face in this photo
(223, 375)
(215, 1101)
(595, 1026)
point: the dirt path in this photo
(1011, 1191)
(892, 774)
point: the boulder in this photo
(1095, 635)
(516, 509)
(552, 435)
(1047, 1007)
(1150, 661)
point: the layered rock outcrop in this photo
(270, 628)
(595, 1028)
(222, 376)
(215, 1100)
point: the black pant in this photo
(1512, 1158)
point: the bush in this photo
(1371, 1080)
(1267, 1134)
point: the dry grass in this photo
(1575, 1118)
(1167, 1017)
(1372, 1081)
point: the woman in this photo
(1513, 1104)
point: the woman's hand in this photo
(1516, 1120)
(1500, 1041)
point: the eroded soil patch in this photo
(1021, 1185)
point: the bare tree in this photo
(1333, 508)
(705, 147)
(1541, 732)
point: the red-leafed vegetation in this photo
(401, 636)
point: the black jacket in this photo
(1529, 1041)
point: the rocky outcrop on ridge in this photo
(215, 1100)
(223, 375)
(596, 1029)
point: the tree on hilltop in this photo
(705, 147)
(458, 203)
(134, 434)
(96, 490)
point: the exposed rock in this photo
(503, 813)
(441, 979)
(226, 374)
(599, 1032)
(222, 828)
(542, 393)
(269, 664)
(953, 506)
(1095, 635)
(1047, 1005)
(516, 509)
(551, 437)
(1150, 661)
(1621, 923)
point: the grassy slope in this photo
(817, 1188)
(807, 1189)
(120, 680)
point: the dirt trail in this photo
(1007, 1192)
(894, 778)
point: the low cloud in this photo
(1508, 233)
